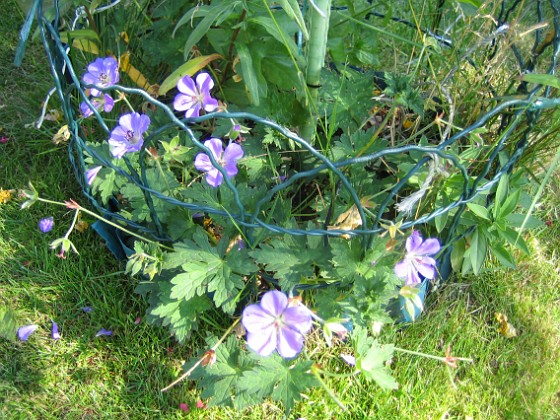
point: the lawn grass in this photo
(81, 376)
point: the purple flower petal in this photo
(272, 324)
(216, 147)
(102, 72)
(103, 331)
(91, 174)
(401, 269)
(55, 333)
(214, 178)
(417, 261)
(274, 302)
(108, 104)
(202, 162)
(256, 318)
(205, 83)
(298, 318)
(290, 342)
(263, 342)
(24, 332)
(195, 95)
(413, 241)
(87, 309)
(128, 135)
(427, 270)
(351, 360)
(233, 152)
(430, 246)
(187, 86)
(46, 224)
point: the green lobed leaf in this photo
(221, 381)
(372, 358)
(181, 316)
(282, 380)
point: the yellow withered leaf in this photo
(135, 75)
(62, 136)
(505, 328)
(350, 219)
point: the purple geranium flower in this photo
(55, 333)
(417, 260)
(24, 332)
(46, 224)
(127, 136)
(275, 325)
(92, 173)
(195, 96)
(103, 72)
(104, 102)
(227, 159)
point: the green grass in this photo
(81, 376)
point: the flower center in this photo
(131, 137)
(103, 78)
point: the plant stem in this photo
(317, 373)
(431, 356)
(202, 358)
(316, 52)
(115, 225)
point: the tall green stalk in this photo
(316, 52)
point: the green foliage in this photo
(208, 269)
(239, 379)
(293, 259)
(8, 325)
(372, 359)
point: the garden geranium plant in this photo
(302, 238)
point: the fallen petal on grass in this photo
(24, 332)
(103, 331)
(55, 334)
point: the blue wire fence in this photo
(518, 117)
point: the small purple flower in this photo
(55, 333)
(46, 224)
(227, 159)
(103, 331)
(92, 173)
(24, 332)
(87, 309)
(127, 136)
(275, 325)
(104, 102)
(195, 96)
(417, 260)
(103, 72)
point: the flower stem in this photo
(431, 356)
(316, 371)
(115, 225)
